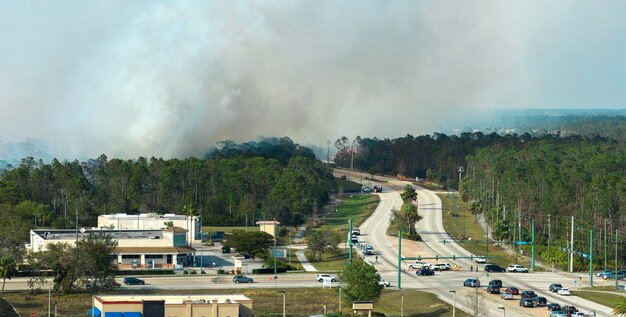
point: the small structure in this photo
(271, 227)
(171, 305)
(363, 308)
(153, 222)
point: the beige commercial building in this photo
(171, 306)
(270, 227)
(165, 248)
(153, 222)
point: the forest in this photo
(235, 185)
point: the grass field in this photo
(465, 225)
(357, 207)
(267, 302)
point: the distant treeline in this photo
(237, 183)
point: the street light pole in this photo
(402, 304)
(284, 295)
(453, 304)
(549, 260)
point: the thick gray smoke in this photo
(173, 78)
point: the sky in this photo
(172, 78)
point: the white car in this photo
(516, 268)
(564, 292)
(578, 314)
(442, 267)
(325, 277)
(480, 260)
(506, 295)
(417, 265)
(384, 283)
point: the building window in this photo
(169, 259)
(154, 256)
(180, 240)
(130, 256)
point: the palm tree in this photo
(620, 308)
(409, 194)
(189, 211)
(7, 270)
(409, 213)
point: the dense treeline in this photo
(436, 156)
(548, 181)
(238, 183)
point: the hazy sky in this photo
(171, 78)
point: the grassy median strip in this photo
(604, 298)
(462, 223)
(267, 302)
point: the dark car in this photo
(133, 281)
(526, 302)
(513, 290)
(494, 268)
(225, 249)
(471, 282)
(554, 287)
(553, 307)
(344, 177)
(378, 188)
(497, 283)
(217, 236)
(424, 271)
(540, 301)
(493, 289)
(528, 294)
(242, 279)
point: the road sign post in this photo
(532, 248)
(399, 258)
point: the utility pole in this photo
(616, 260)
(532, 248)
(591, 258)
(549, 259)
(350, 245)
(605, 244)
(571, 251)
(400, 258)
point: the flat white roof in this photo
(65, 234)
(147, 216)
(174, 299)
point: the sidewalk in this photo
(305, 262)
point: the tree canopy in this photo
(362, 282)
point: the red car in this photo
(512, 290)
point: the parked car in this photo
(417, 265)
(506, 295)
(558, 313)
(471, 282)
(368, 250)
(512, 290)
(442, 267)
(344, 177)
(540, 301)
(528, 294)
(384, 283)
(480, 260)
(378, 188)
(554, 307)
(424, 271)
(601, 274)
(366, 189)
(225, 249)
(497, 283)
(134, 281)
(526, 302)
(493, 289)
(242, 279)
(578, 314)
(564, 292)
(494, 268)
(321, 277)
(554, 287)
(516, 268)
